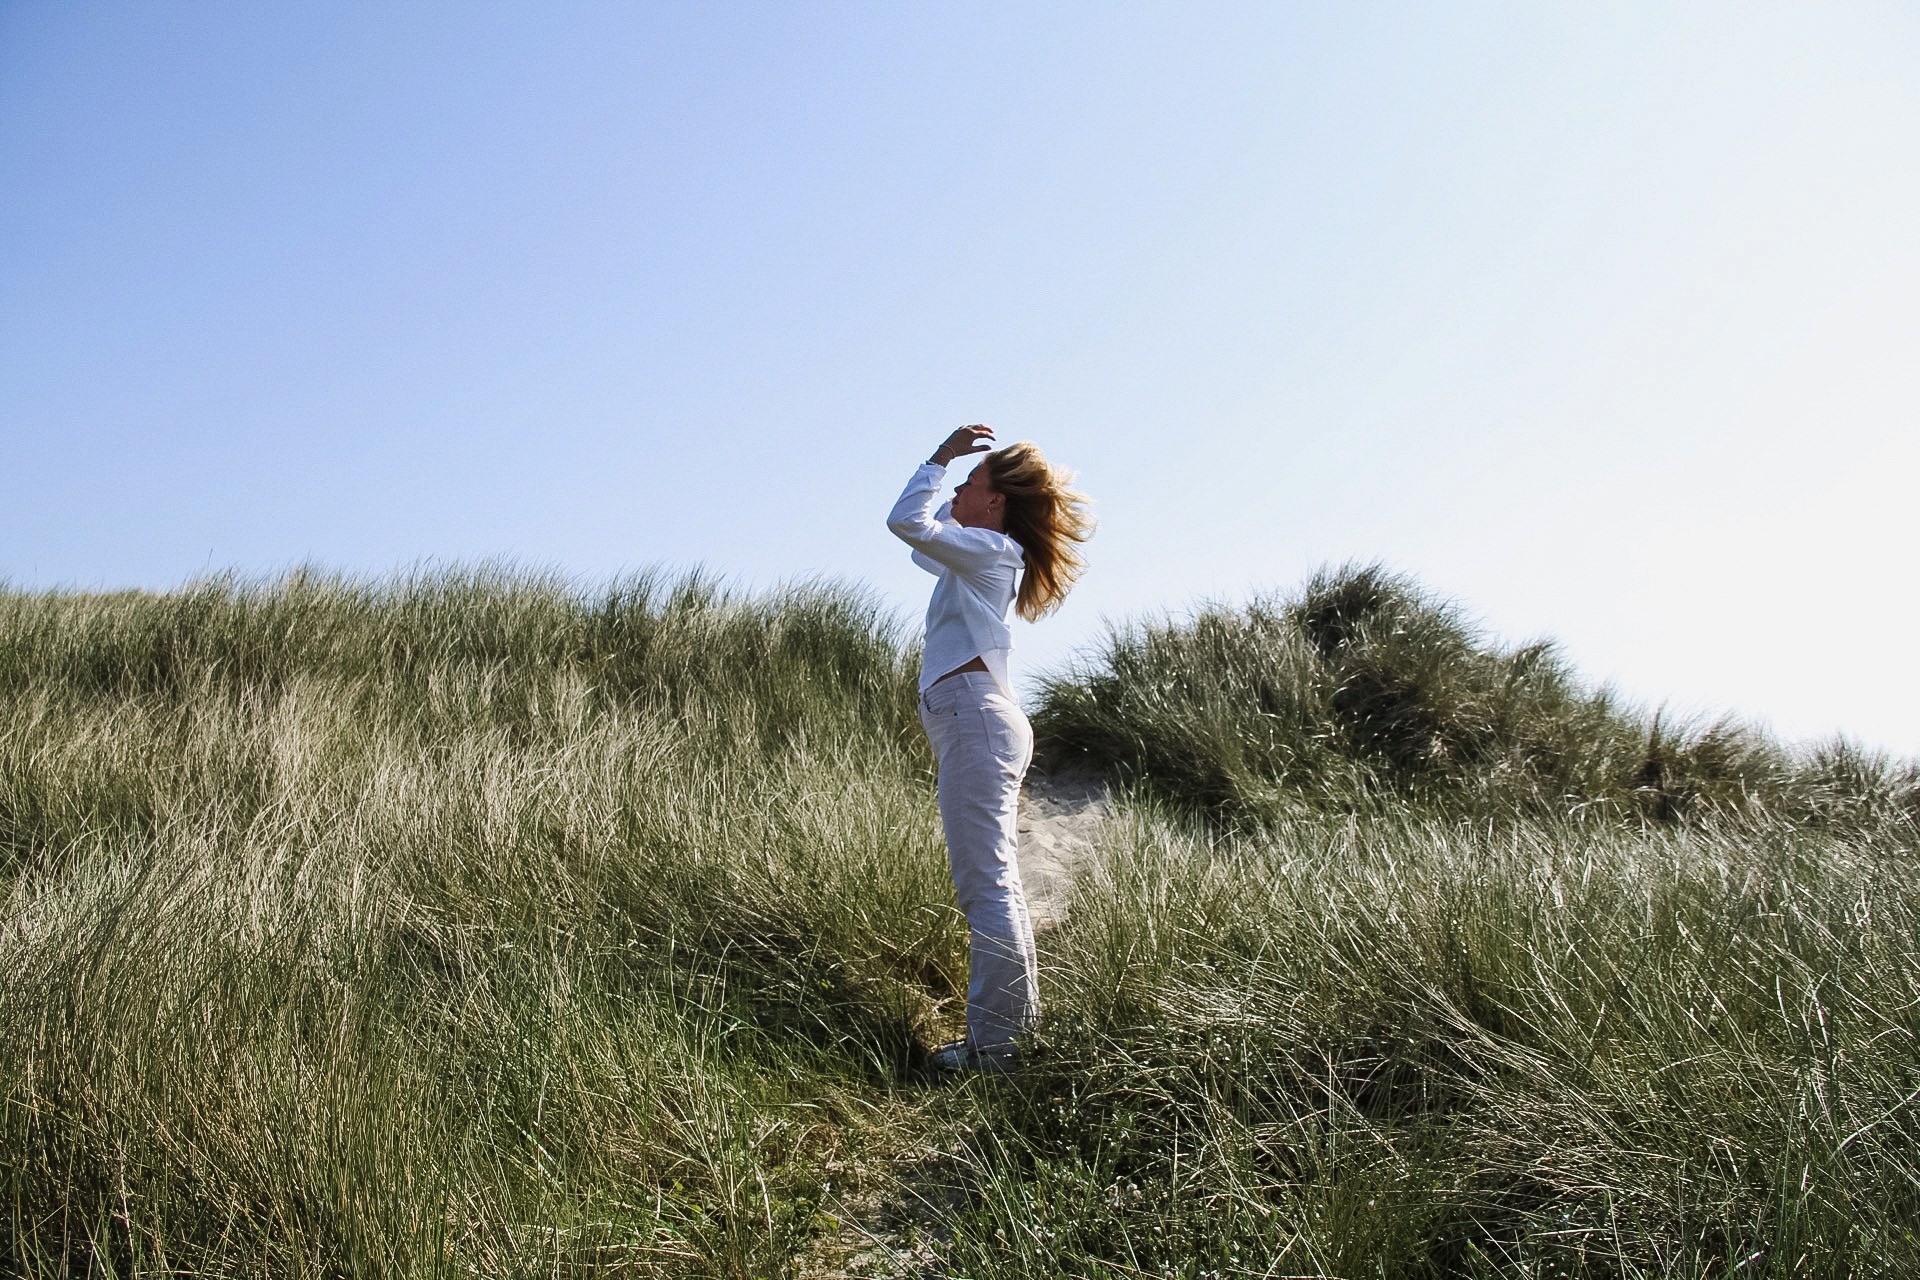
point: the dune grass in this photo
(476, 923)
(1365, 693)
(459, 925)
(1415, 1048)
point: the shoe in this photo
(963, 1055)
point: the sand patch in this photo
(1060, 819)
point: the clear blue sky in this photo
(1600, 319)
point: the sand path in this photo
(1060, 818)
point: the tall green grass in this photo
(1419, 1048)
(462, 924)
(1365, 694)
(476, 923)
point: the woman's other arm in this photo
(915, 521)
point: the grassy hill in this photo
(1366, 693)
(475, 924)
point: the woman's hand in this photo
(974, 439)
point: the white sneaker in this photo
(963, 1055)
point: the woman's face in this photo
(976, 505)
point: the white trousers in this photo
(983, 744)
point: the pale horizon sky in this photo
(1598, 321)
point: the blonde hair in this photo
(1046, 518)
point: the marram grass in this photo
(1365, 693)
(478, 924)
(464, 925)
(1424, 1048)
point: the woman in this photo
(1005, 543)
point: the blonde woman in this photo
(1006, 543)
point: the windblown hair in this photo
(1046, 518)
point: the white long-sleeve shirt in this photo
(978, 574)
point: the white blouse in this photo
(978, 571)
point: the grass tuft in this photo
(476, 923)
(1364, 694)
(465, 923)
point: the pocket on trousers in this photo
(1007, 739)
(939, 703)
